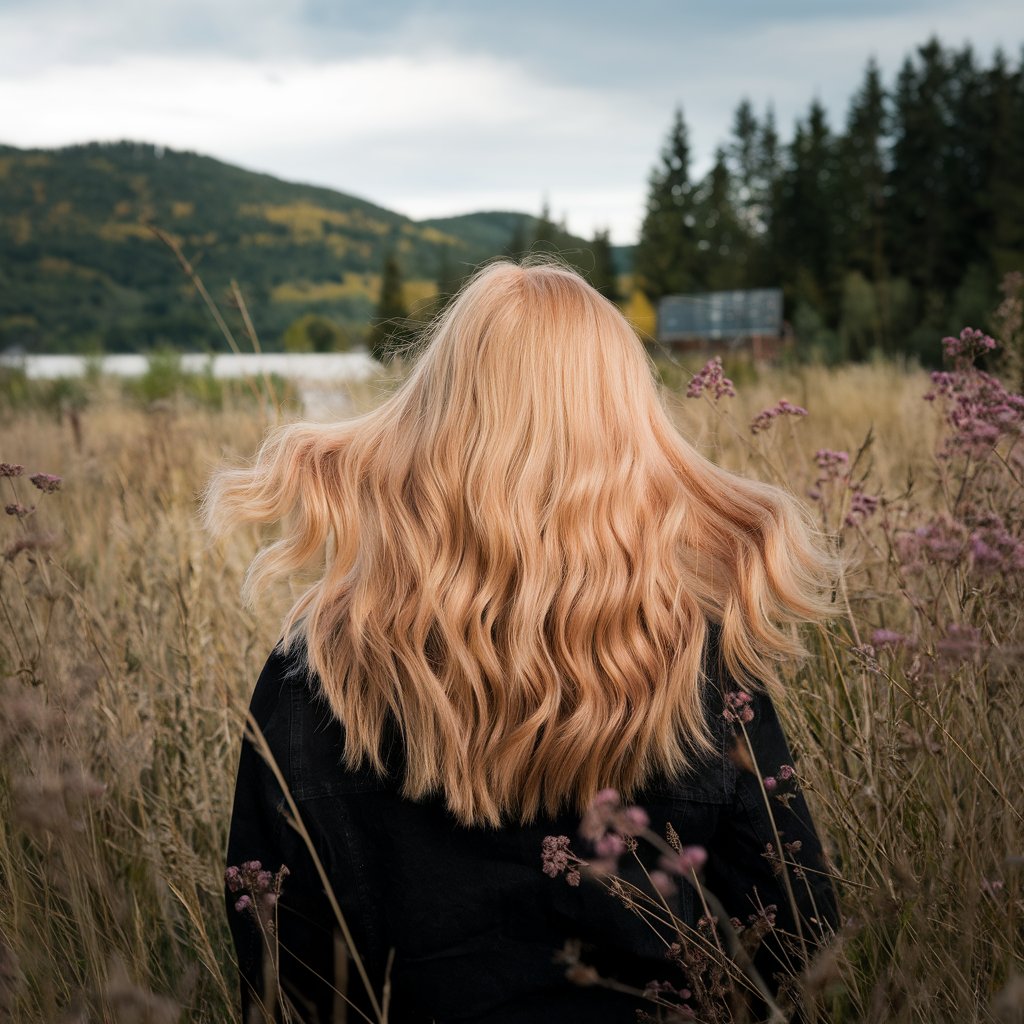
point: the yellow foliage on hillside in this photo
(640, 313)
(416, 293)
(308, 222)
(118, 231)
(65, 268)
(59, 212)
(437, 236)
(351, 285)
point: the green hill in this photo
(81, 269)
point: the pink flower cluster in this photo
(556, 857)
(942, 539)
(832, 466)
(684, 862)
(607, 823)
(985, 540)
(785, 773)
(971, 344)
(861, 506)
(979, 409)
(994, 549)
(46, 482)
(711, 378)
(763, 420)
(890, 638)
(259, 888)
(737, 707)
(959, 642)
(834, 469)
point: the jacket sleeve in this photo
(766, 862)
(275, 916)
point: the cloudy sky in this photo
(456, 105)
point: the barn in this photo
(725, 322)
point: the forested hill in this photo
(80, 268)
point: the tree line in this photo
(882, 232)
(393, 327)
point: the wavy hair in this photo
(521, 555)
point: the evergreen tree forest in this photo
(882, 231)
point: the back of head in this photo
(521, 555)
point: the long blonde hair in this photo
(520, 557)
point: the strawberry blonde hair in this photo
(520, 557)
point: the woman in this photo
(531, 591)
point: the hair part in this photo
(520, 556)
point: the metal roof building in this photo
(732, 319)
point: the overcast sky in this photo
(448, 107)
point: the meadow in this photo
(127, 660)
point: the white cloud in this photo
(383, 107)
(422, 135)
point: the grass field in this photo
(126, 663)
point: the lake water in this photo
(313, 366)
(318, 376)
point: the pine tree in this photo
(860, 230)
(517, 243)
(546, 233)
(666, 255)
(765, 251)
(918, 193)
(1003, 192)
(807, 215)
(744, 168)
(863, 177)
(390, 330)
(449, 278)
(721, 246)
(967, 170)
(602, 273)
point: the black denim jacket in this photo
(473, 921)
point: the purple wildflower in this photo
(11, 469)
(993, 548)
(831, 462)
(737, 707)
(260, 889)
(770, 783)
(979, 409)
(600, 814)
(959, 641)
(763, 420)
(712, 379)
(888, 638)
(941, 540)
(611, 844)
(634, 820)
(861, 506)
(786, 772)
(686, 860)
(662, 882)
(556, 857)
(46, 482)
(17, 509)
(971, 344)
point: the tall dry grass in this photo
(127, 661)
